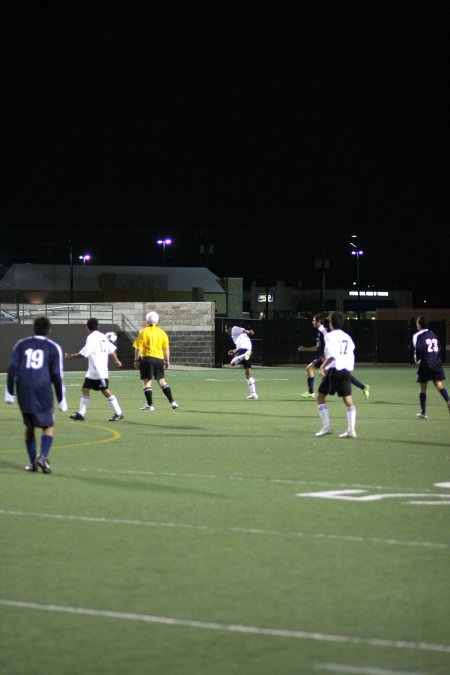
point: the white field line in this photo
(230, 628)
(228, 530)
(357, 670)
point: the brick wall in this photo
(189, 325)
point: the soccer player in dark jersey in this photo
(427, 354)
(35, 366)
(318, 323)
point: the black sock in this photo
(168, 393)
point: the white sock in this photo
(323, 412)
(84, 402)
(351, 418)
(251, 385)
(114, 403)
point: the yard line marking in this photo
(229, 627)
(356, 670)
(234, 530)
(358, 496)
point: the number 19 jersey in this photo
(35, 364)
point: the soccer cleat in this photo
(174, 405)
(366, 391)
(308, 394)
(348, 434)
(325, 431)
(147, 407)
(421, 415)
(32, 466)
(77, 416)
(43, 464)
(253, 396)
(116, 417)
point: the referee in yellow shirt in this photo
(152, 357)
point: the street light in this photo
(356, 251)
(84, 257)
(164, 243)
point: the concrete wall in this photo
(189, 325)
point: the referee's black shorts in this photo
(150, 367)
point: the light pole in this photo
(356, 251)
(322, 264)
(84, 257)
(164, 243)
(71, 270)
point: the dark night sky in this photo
(273, 134)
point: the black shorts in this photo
(425, 374)
(42, 419)
(96, 385)
(336, 382)
(150, 367)
(316, 363)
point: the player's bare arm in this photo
(302, 348)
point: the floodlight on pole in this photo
(357, 252)
(164, 243)
(85, 257)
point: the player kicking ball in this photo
(242, 354)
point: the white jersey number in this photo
(344, 346)
(35, 358)
(432, 345)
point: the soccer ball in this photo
(112, 336)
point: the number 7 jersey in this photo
(340, 347)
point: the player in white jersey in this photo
(339, 361)
(318, 323)
(97, 350)
(242, 354)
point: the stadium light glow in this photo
(164, 243)
(85, 257)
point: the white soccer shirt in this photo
(240, 338)
(341, 348)
(97, 350)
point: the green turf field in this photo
(224, 538)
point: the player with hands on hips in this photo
(339, 361)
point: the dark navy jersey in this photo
(427, 349)
(320, 339)
(35, 365)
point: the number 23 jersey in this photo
(427, 349)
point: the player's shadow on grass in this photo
(133, 484)
(418, 442)
(235, 413)
(16, 466)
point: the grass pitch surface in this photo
(224, 537)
